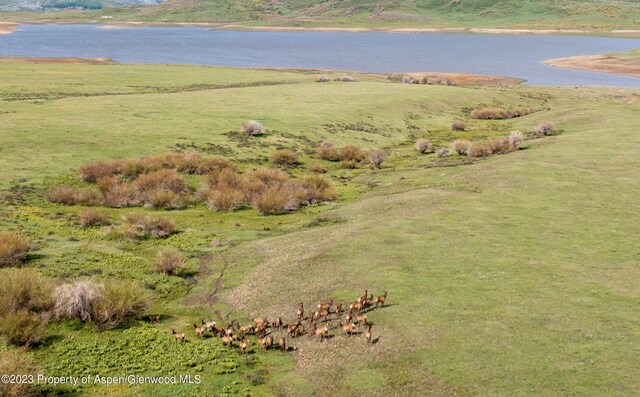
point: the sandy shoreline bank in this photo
(597, 63)
(88, 61)
(10, 27)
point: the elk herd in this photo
(317, 323)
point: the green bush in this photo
(22, 328)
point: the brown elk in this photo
(348, 328)
(208, 325)
(243, 346)
(268, 342)
(326, 306)
(300, 311)
(218, 330)
(292, 329)
(283, 344)
(355, 307)
(227, 340)
(259, 322)
(199, 330)
(278, 323)
(246, 330)
(380, 299)
(368, 334)
(154, 319)
(361, 318)
(178, 335)
(322, 332)
(363, 297)
(340, 309)
(366, 303)
(320, 313)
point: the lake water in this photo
(503, 55)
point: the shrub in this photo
(144, 226)
(284, 158)
(95, 170)
(545, 128)
(91, 217)
(167, 262)
(164, 179)
(121, 195)
(13, 248)
(105, 305)
(327, 151)
(499, 145)
(480, 149)
(211, 164)
(423, 145)
(458, 125)
(189, 162)
(515, 139)
(348, 164)
(132, 168)
(62, 195)
(89, 197)
(22, 289)
(75, 300)
(443, 152)
(253, 128)
(410, 80)
(271, 201)
(17, 362)
(322, 79)
(461, 146)
(490, 114)
(225, 198)
(267, 177)
(376, 158)
(345, 79)
(223, 177)
(22, 328)
(121, 300)
(166, 199)
(316, 189)
(352, 153)
(318, 168)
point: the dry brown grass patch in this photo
(92, 217)
(284, 158)
(13, 248)
(144, 226)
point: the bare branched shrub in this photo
(75, 300)
(327, 151)
(480, 149)
(345, 79)
(376, 158)
(352, 153)
(515, 139)
(410, 80)
(253, 128)
(443, 152)
(167, 262)
(317, 168)
(423, 145)
(23, 328)
(91, 217)
(323, 79)
(461, 146)
(500, 146)
(284, 158)
(17, 362)
(545, 128)
(144, 226)
(13, 248)
(459, 125)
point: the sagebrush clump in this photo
(92, 217)
(327, 151)
(284, 158)
(489, 113)
(167, 262)
(461, 147)
(145, 226)
(376, 158)
(423, 145)
(515, 139)
(545, 128)
(253, 128)
(13, 248)
(459, 125)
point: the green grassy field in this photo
(536, 14)
(514, 275)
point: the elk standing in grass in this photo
(227, 340)
(361, 319)
(380, 299)
(368, 334)
(339, 309)
(348, 328)
(178, 335)
(321, 333)
(300, 311)
(326, 306)
(199, 330)
(283, 344)
(293, 329)
(268, 342)
(278, 323)
(208, 325)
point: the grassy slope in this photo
(513, 276)
(572, 14)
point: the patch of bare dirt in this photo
(7, 27)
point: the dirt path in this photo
(598, 63)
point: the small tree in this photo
(423, 145)
(253, 128)
(515, 139)
(377, 157)
(545, 128)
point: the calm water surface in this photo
(504, 55)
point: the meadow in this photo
(512, 274)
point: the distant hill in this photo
(563, 14)
(53, 5)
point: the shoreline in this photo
(10, 27)
(602, 63)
